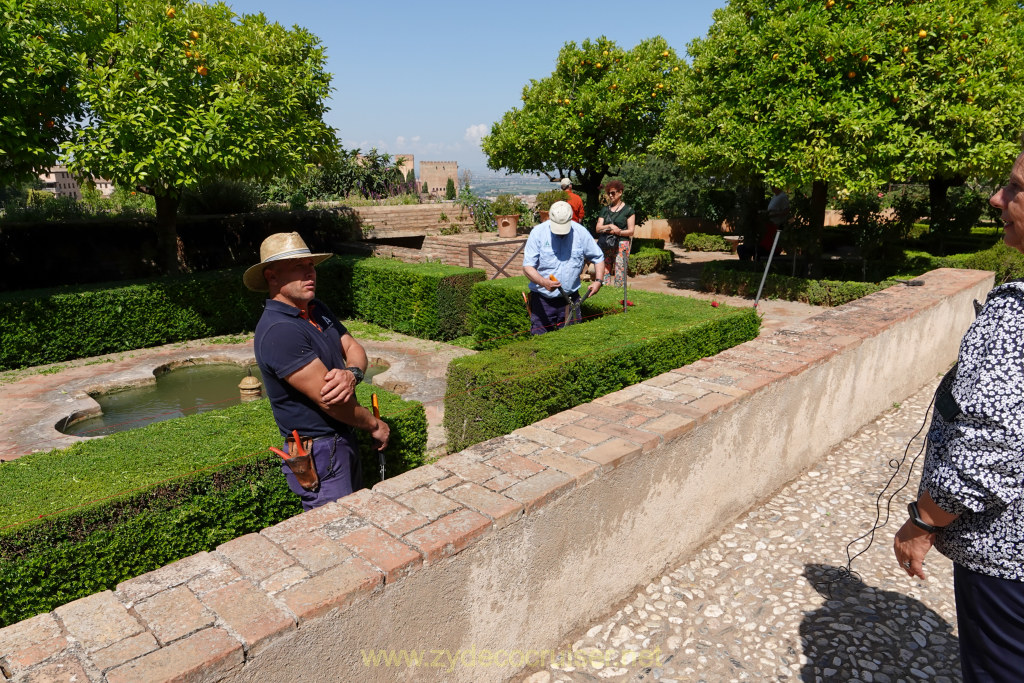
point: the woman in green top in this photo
(618, 219)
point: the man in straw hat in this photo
(557, 248)
(310, 365)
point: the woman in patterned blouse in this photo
(970, 502)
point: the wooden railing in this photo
(500, 270)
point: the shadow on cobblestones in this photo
(863, 633)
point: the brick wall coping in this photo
(203, 617)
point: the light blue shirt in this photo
(560, 255)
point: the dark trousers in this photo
(990, 621)
(335, 460)
(546, 313)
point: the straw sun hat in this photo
(280, 246)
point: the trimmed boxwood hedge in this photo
(646, 260)
(49, 326)
(80, 520)
(498, 313)
(699, 241)
(427, 300)
(498, 391)
(735, 277)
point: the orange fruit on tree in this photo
(171, 12)
(829, 58)
(202, 70)
(922, 34)
(194, 34)
(851, 75)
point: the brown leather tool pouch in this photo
(303, 466)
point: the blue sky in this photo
(429, 77)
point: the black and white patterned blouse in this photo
(974, 465)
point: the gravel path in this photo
(746, 608)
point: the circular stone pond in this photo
(185, 390)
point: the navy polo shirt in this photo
(286, 342)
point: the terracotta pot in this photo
(543, 216)
(507, 225)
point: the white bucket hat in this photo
(560, 218)
(280, 246)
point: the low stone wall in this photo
(506, 547)
(454, 250)
(412, 220)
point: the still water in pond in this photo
(184, 391)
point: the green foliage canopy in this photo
(601, 106)
(853, 94)
(38, 98)
(183, 93)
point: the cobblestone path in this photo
(746, 607)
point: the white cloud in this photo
(474, 133)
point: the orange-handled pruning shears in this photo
(298, 443)
(299, 450)
(380, 453)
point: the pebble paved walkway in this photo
(746, 607)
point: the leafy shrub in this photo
(546, 199)
(217, 196)
(698, 241)
(495, 392)
(82, 519)
(508, 205)
(297, 201)
(731, 277)
(423, 299)
(479, 208)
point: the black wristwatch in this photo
(357, 373)
(915, 517)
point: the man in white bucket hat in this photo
(310, 365)
(553, 259)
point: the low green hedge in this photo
(734, 277)
(49, 326)
(649, 260)
(495, 392)
(1006, 262)
(80, 520)
(498, 313)
(699, 241)
(427, 300)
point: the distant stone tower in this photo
(436, 174)
(404, 163)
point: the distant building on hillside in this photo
(61, 183)
(436, 174)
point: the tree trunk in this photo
(819, 200)
(590, 184)
(169, 246)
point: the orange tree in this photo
(38, 101)
(178, 93)
(600, 107)
(851, 94)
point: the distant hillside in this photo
(484, 185)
